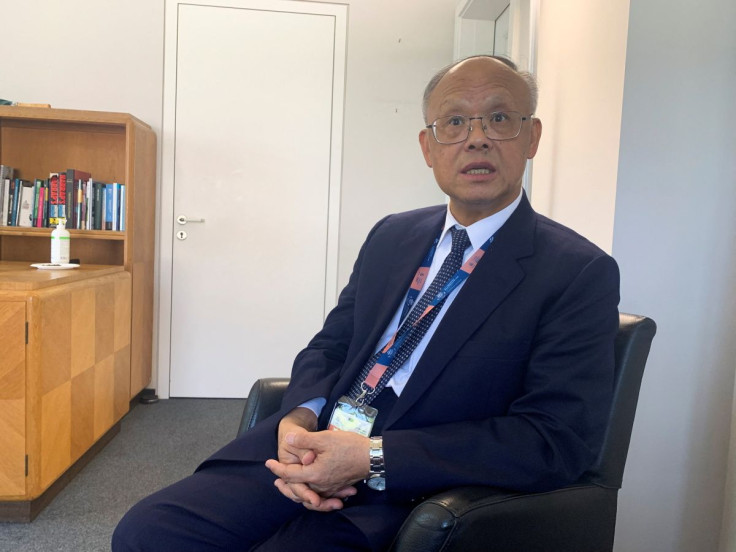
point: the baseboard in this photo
(25, 511)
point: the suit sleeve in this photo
(553, 429)
(317, 367)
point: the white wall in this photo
(580, 67)
(394, 48)
(102, 55)
(675, 230)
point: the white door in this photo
(255, 179)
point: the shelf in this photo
(85, 234)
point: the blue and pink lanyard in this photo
(389, 350)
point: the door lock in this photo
(181, 234)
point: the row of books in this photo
(73, 196)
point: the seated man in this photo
(472, 345)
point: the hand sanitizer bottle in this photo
(60, 244)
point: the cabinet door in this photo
(12, 398)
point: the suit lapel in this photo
(402, 250)
(495, 277)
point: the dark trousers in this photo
(234, 506)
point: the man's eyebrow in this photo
(453, 107)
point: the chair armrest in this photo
(467, 519)
(264, 399)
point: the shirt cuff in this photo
(315, 405)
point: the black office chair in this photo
(577, 518)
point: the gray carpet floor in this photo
(158, 444)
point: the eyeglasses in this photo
(500, 125)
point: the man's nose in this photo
(477, 135)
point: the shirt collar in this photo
(480, 231)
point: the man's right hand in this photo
(298, 420)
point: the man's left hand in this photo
(342, 458)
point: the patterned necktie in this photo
(451, 264)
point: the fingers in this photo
(302, 440)
(290, 453)
(302, 494)
(292, 473)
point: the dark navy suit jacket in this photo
(514, 388)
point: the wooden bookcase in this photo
(113, 147)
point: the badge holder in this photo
(352, 415)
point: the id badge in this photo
(348, 416)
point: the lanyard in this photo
(390, 349)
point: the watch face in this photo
(377, 483)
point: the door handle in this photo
(183, 219)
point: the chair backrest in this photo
(633, 341)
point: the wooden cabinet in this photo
(64, 374)
(113, 147)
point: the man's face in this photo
(481, 176)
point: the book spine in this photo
(123, 207)
(2, 201)
(98, 201)
(108, 207)
(34, 205)
(39, 207)
(62, 196)
(54, 199)
(36, 197)
(6, 198)
(13, 214)
(115, 206)
(25, 204)
(89, 205)
(6, 171)
(46, 202)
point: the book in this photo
(89, 205)
(34, 206)
(45, 216)
(6, 172)
(25, 204)
(107, 216)
(63, 205)
(73, 176)
(114, 206)
(53, 199)
(6, 196)
(123, 200)
(40, 202)
(13, 203)
(98, 203)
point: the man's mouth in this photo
(478, 168)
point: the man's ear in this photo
(424, 139)
(536, 134)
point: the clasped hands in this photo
(319, 469)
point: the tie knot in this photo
(460, 240)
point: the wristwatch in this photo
(377, 476)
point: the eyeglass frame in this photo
(469, 127)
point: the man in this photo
(500, 373)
